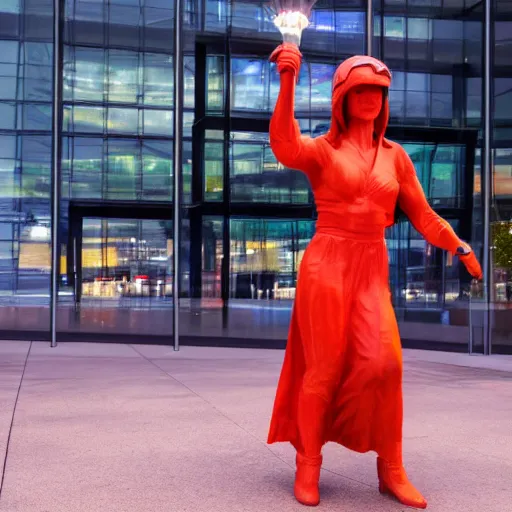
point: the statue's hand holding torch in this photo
(291, 24)
(291, 18)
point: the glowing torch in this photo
(291, 17)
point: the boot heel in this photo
(382, 488)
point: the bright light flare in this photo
(291, 24)
(291, 18)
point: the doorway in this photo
(119, 268)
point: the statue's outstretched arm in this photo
(290, 147)
(432, 227)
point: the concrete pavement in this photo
(120, 428)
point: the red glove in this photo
(287, 56)
(469, 260)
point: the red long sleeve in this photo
(413, 202)
(291, 149)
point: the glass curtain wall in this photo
(117, 168)
(26, 94)
(436, 59)
(246, 220)
(435, 52)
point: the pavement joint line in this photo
(7, 444)
(265, 445)
(459, 365)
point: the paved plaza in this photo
(128, 428)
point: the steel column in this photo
(58, 16)
(178, 159)
(369, 26)
(487, 180)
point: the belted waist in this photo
(374, 235)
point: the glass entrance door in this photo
(125, 259)
(120, 275)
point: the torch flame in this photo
(291, 18)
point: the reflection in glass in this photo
(158, 122)
(422, 276)
(249, 84)
(265, 257)
(256, 176)
(84, 74)
(211, 257)
(123, 169)
(215, 82)
(157, 170)
(125, 258)
(86, 172)
(84, 119)
(213, 170)
(158, 79)
(123, 76)
(321, 80)
(123, 120)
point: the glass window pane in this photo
(86, 119)
(265, 256)
(249, 84)
(87, 168)
(9, 51)
(394, 27)
(10, 6)
(213, 171)
(84, 74)
(189, 82)
(123, 75)
(417, 81)
(37, 117)
(158, 79)
(8, 146)
(441, 83)
(418, 28)
(416, 104)
(7, 116)
(123, 169)
(36, 165)
(441, 106)
(256, 176)
(215, 82)
(123, 120)
(396, 103)
(157, 170)
(158, 122)
(8, 87)
(321, 80)
(38, 71)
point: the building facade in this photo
(87, 144)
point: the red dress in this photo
(344, 344)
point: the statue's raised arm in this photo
(290, 147)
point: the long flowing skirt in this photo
(343, 345)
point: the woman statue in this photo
(341, 379)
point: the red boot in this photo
(306, 480)
(393, 480)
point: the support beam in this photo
(487, 181)
(178, 160)
(58, 21)
(369, 27)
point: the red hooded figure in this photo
(341, 379)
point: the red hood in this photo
(355, 71)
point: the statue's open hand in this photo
(287, 56)
(471, 263)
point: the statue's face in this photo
(364, 102)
